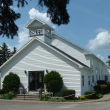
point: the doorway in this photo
(35, 80)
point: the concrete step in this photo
(27, 94)
(36, 99)
(26, 97)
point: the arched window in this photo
(82, 80)
(92, 78)
(88, 80)
(106, 78)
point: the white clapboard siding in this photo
(98, 70)
(37, 57)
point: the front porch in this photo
(35, 84)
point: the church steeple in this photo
(40, 30)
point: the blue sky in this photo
(89, 25)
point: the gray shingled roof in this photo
(71, 57)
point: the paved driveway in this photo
(5, 105)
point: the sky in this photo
(89, 25)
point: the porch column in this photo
(45, 91)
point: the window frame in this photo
(82, 79)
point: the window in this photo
(99, 76)
(32, 33)
(106, 78)
(39, 32)
(96, 77)
(48, 33)
(82, 80)
(92, 78)
(88, 80)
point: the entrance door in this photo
(36, 80)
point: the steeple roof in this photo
(38, 23)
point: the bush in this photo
(101, 82)
(82, 98)
(45, 97)
(53, 82)
(98, 95)
(68, 94)
(102, 88)
(2, 91)
(90, 92)
(108, 85)
(56, 99)
(11, 82)
(9, 95)
(92, 95)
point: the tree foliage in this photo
(108, 60)
(53, 82)
(7, 19)
(11, 82)
(6, 53)
(56, 9)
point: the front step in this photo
(27, 97)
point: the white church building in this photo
(47, 51)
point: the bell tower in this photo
(40, 30)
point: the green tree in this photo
(56, 9)
(13, 51)
(108, 60)
(11, 82)
(53, 82)
(5, 53)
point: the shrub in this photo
(82, 97)
(90, 92)
(9, 95)
(11, 82)
(68, 94)
(53, 82)
(102, 88)
(101, 82)
(45, 97)
(56, 99)
(108, 87)
(98, 95)
(2, 91)
(92, 95)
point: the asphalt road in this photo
(4, 105)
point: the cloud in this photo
(101, 41)
(34, 13)
(23, 38)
